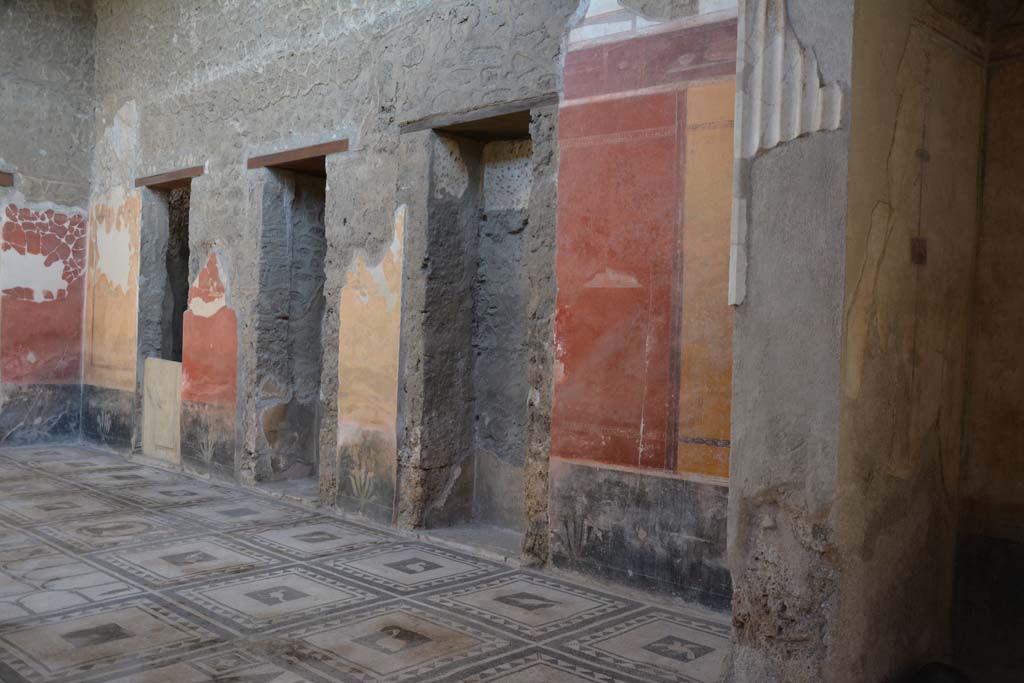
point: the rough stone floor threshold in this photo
(112, 570)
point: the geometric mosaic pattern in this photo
(168, 495)
(100, 638)
(530, 605)
(158, 565)
(86, 534)
(656, 645)
(394, 642)
(112, 571)
(316, 538)
(36, 578)
(268, 600)
(408, 568)
(35, 508)
(242, 513)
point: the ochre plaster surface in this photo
(705, 385)
(112, 291)
(368, 345)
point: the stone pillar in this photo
(855, 220)
(792, 140)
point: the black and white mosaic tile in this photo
(656, 645)
(394, 642)
(262, 601)
(243, 513)
(411, 568)
(316, 538)
(531, 605)
(113, 572)
(105, 638)
(186, 560)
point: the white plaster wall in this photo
(31, 272)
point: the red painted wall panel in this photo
(643, 332)
(43, 290)
(618, 199)
(209, 363)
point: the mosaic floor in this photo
(113, 571)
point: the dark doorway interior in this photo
(176, 294)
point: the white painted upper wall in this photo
(113, 256)
(30, 271)
(609, 19)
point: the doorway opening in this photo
(290, 312)
(478, 290)
(163, 300)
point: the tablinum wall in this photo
(820, 578)
(377, 367)
(914, 162)
(145, 129)
(42, 277)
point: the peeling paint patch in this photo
(43, 253)
(208, 295)
(30, 276)
(42, 262)
(114, 257)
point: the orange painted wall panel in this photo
(369, 335)
(705, 386)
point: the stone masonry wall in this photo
(46, 106)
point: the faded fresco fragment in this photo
(368, 345)
(112, 296)
(42, 280)
(209, 374)
(643, 332)
(42, 268)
